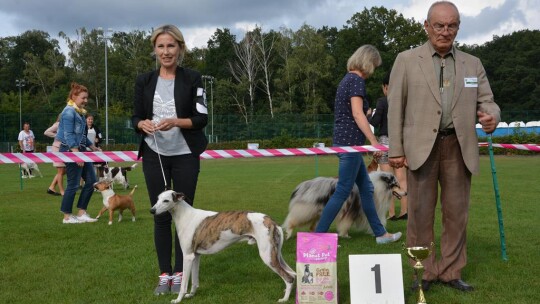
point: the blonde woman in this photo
(170, 112)
(351, 128)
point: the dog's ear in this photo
(386, 178)
(177, 196)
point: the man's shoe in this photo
(459, 285)
(426, 285)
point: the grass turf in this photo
(42, 260)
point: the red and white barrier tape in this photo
(528, 147)
(124, 156)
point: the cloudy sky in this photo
(198, 19)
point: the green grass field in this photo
(44, 261)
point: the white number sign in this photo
(376, 278)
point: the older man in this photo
(436, 94)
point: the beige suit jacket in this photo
(414, 105)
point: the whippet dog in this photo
(208, 232)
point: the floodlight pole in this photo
(105, 38)
(20, 83)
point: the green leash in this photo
(497, 199)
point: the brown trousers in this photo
(444, 167)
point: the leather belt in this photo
(446, 132)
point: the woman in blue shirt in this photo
(71, 134)
(351, 128)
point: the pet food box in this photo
(316, 268)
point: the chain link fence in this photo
(221, 128)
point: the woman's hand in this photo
(167, 124)
(147, 126)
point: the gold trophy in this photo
(419, 254)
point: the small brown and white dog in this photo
(115, 174)
(112, 201)
(208, 232)
(28, 170)
(310, 197)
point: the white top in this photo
(92, 135)
(27, 140)
(170, 142)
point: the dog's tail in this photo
(132, 191)
(130, 167)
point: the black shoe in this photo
(392, 218)
(51, 192)
(426, 285)
(459, 285)
(403, 217)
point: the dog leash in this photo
(160, 163)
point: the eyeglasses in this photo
(439, 28)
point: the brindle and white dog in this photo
(208, 232)
(310, 197)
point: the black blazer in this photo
(188, 105)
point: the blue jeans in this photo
(351, 170)
(74, 174)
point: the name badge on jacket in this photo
(471, 82)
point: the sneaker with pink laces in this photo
(176, 282)
(163, 285)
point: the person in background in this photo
(351, 128)
(436, 93)
(170, 113)
(26, 141)
(58, 179)
(379, 120)
(71, 130)
(93, 134)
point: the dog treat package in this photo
(316, 268)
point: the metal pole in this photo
(106, 99)
(212, 106)
(497, 199)
(106, 94)
(105, 38)
(20, 83)
(20, 109)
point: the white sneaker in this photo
(71, 220)
(389, 239)
(85, 218)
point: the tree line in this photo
(263, 73)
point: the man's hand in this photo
(488, 122)
(398, 162)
